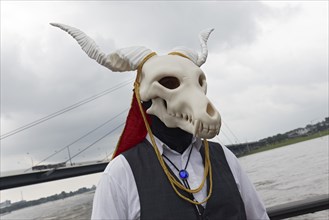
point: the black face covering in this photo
(175, 138)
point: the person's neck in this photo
(175, 138)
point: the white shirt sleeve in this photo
(116, 194)
(254, 206)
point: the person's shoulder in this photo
(117, 166)
(217, 146)
(142, 148)
(227, 152)
(214, 145)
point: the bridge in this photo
(282, 211)
(243, 148)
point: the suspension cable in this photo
(237, 141)
(92, 144)
(64, 110)
(226, 136)
(83, 136)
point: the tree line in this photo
(23, 204)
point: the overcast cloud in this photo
(267, 68)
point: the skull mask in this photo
(175, 84)
(177, 88)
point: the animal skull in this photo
(176, 85)
(177, 88)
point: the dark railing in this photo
(302, 207)
(310, 205)
(7, 182)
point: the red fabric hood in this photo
(134, 131)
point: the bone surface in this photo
(185, 106)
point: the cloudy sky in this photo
(267, 70)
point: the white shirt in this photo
(116, 195)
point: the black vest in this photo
(159, 201)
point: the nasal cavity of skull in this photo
(164, 103)
(210, 110)
(170, 82)
(202, 79)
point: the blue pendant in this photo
(183, 174)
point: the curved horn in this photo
(125, 59)
(201, 57)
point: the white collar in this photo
(196, 142)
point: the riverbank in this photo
(288, 142)
(63, 195)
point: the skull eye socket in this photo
(170, 82)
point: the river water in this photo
(280, 175)
(291, 173)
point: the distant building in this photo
(298, 132)
(302, 131)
